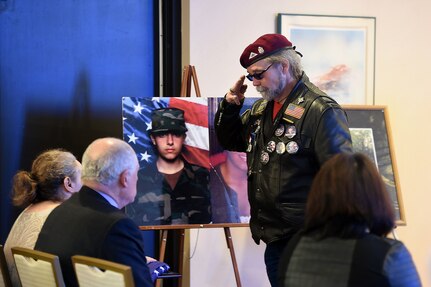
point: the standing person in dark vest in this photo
(171, 191)
(90, 222)
(288, 135)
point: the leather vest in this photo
(284, 154)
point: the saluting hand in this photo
(236, 93)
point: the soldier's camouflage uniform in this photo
(157, 204)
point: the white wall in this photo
(220, 30)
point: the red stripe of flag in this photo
(197, 156)
(294, 111)
(194, 113)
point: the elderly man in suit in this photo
(91, 223)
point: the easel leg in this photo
(181, 256)
(232, 255)
(163, 240)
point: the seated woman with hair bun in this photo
(54, 176)
(348, 215)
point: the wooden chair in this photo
(36, 268)
(4, 274)
(95, 272)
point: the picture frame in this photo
(371, 134)
(169, 128)
(210, 200)
(338, 53)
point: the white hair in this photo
(294, 59)
(106, 167)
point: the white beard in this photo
(270, 95)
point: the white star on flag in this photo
(145, 156)
(133, 138)
(138, 108)
(137, 127)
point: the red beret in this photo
(263, 47)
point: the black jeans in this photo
(273, 253)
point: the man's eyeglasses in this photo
(258, 76)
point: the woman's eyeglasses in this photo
(258, 76)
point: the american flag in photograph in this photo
(137, 123)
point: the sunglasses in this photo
(258, 76)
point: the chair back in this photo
(95, 272)
(5, 280)
(36, 268)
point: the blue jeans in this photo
(273, 253)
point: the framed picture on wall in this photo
(338, 53)
(371, 135)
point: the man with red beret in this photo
(288, 135)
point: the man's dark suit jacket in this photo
(86, 224)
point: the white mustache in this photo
(261, 89)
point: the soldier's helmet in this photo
(168, 120)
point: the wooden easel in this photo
(181, 228)
(163, 241)
(189, 74)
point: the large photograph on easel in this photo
(185, 177)
(170, 137)
(228, 174)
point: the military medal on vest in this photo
(270, 147)
(280, 148)
(292, 147)
(290, 131)
(264, 157)
(279, 131)
(296, 112)
(252, 138)
(250, 142)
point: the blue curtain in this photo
(64, 67)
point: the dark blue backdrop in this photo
(64, 67)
